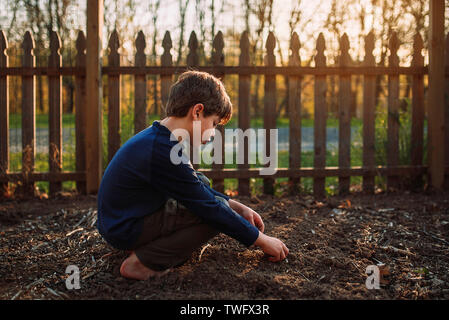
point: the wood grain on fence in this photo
(55, 112)
(228, 70)
(417, 134)
(244, 112)
(140, 86)
(436, 112)
(80, 112)
(28, 114)
(393, 113)
(86, 131)
(446, 121)
(4, 113)
(369, 104)
(94, 110)
(344, 116)
(192, 63)
(113, 97)
(218, 60)
(319, 160)
(269, 116)
(166, 79)
(294, 113)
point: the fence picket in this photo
(244, 111)
(369, 104)
(344, 117)
(113, 97)
(140, 86)
(55, 112)
(166, 79)
(446, 149)
(294, 112)
(192, 63)
(393, 113)
(28, 114)
(4, 113)
(417, 133)
(319, 160)
(80, 111)
(218, 60)
(269, 118)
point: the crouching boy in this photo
(162, 210)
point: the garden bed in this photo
(331, 243)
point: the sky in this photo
(231, 19)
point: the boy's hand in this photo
(272, 246)
(253, 217)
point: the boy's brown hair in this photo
(195, 87)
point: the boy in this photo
(161, 211)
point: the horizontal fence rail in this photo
(166, 71)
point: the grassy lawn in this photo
(41, 165)
(68, 121)
(127, 131)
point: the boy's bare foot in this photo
(132, 268)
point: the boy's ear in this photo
(197, 109)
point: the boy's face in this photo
(205, 125)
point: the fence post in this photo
(393, 113)
(269, 119)
(81, 110)
(192, 57)
(55, 112)
(344, 117)
(94, 143)
(319, 160)
(436, 95)
(417, 111)
(294, 111)
(244, 111)
(166, 79)
(28, 114)
(369, 105)
(217, 61)
(446, 122)
(4, 115)
(193, 62)
(113, 97)
(140, 86)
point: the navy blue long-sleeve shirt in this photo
(139, 180)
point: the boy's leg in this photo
(170, 236)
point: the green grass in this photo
(127, 120)
(15, 120)
(285, 122)
(127, 131)
(41, 165)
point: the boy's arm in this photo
(246, 212)
(206, 181)
(181, 183)
(249, 214)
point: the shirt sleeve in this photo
(215, 192)
(209, 187)
(180, 182)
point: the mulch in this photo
(331, 243)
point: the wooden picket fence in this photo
(166, 71)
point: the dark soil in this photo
(331, 244)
